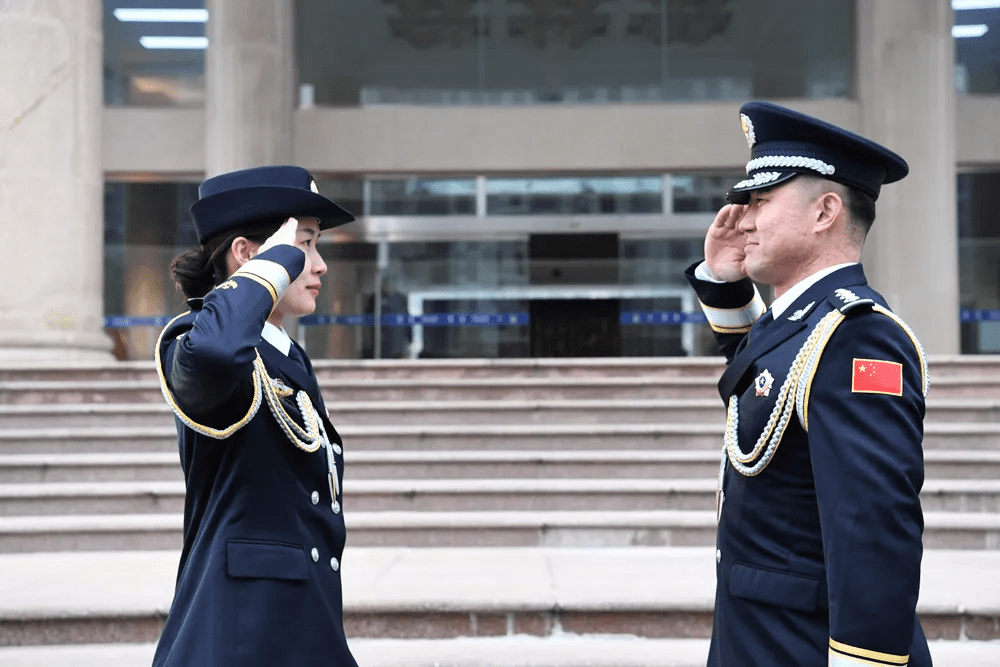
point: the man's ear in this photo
(242, 251)
(829, 208)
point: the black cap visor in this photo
(740, 193)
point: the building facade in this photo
(530, 177)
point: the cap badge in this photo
(763, 383)
(748, 129)
(312, 186)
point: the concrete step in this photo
(540, 437)
(431, 389)
(453, 389)
(93, 467)
(566, 650)
(456, 592)
(368, 369)
(461, 495)
(636, 411)
(482, 464)
(941, 366)
(605, 528)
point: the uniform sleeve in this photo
(730, 308)
(865, 441)
(213, 361)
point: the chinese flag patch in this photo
(872, 376)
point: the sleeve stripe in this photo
(257, 279)
(844, 651)
(730, 330)
(726, 319)
(271, 272)
(839, 660)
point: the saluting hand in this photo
(725, 245)
(285, 235)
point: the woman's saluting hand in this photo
(284, 236)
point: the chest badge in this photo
(763, 383)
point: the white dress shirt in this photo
(781, 304)
(277, 337)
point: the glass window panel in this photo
(423, 196)
(977, 50)
(349, 193)
(979, 259)
(349, 293)
(660, 262)
(146, 226)
(612, 195)
(510, 52)
(462, 268)
(152, 77)
(701, 193)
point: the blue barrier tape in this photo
(125, 321)
(344, 320)
(661, 317)
(969, 315)
(430, 320)
(658, 317)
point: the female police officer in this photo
(259, 576)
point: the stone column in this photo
(907, 95)
(51, 182)
(250, 84)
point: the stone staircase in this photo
(559, 508)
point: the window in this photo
(979, 261)
(571, 195)
(146, 226)
(977, 44)
(423, 196)
(510, 52)
(154, 57)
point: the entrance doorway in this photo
(574, 327)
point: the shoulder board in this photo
(846, 300)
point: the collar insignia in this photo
(801, 312)
(763, 383)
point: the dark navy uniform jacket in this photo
(259, 581)
(819, 536)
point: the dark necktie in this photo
(758, 326)
(295, 355)
(763, 321)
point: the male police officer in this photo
(819, 536)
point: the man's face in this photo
(777, 231)
(300, 297)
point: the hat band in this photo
(790, 161)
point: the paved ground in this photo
(519, 651)
(53, 585)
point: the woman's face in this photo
(300, 297)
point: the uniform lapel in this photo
(783, 328)
(296, 374)
(760, 344)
